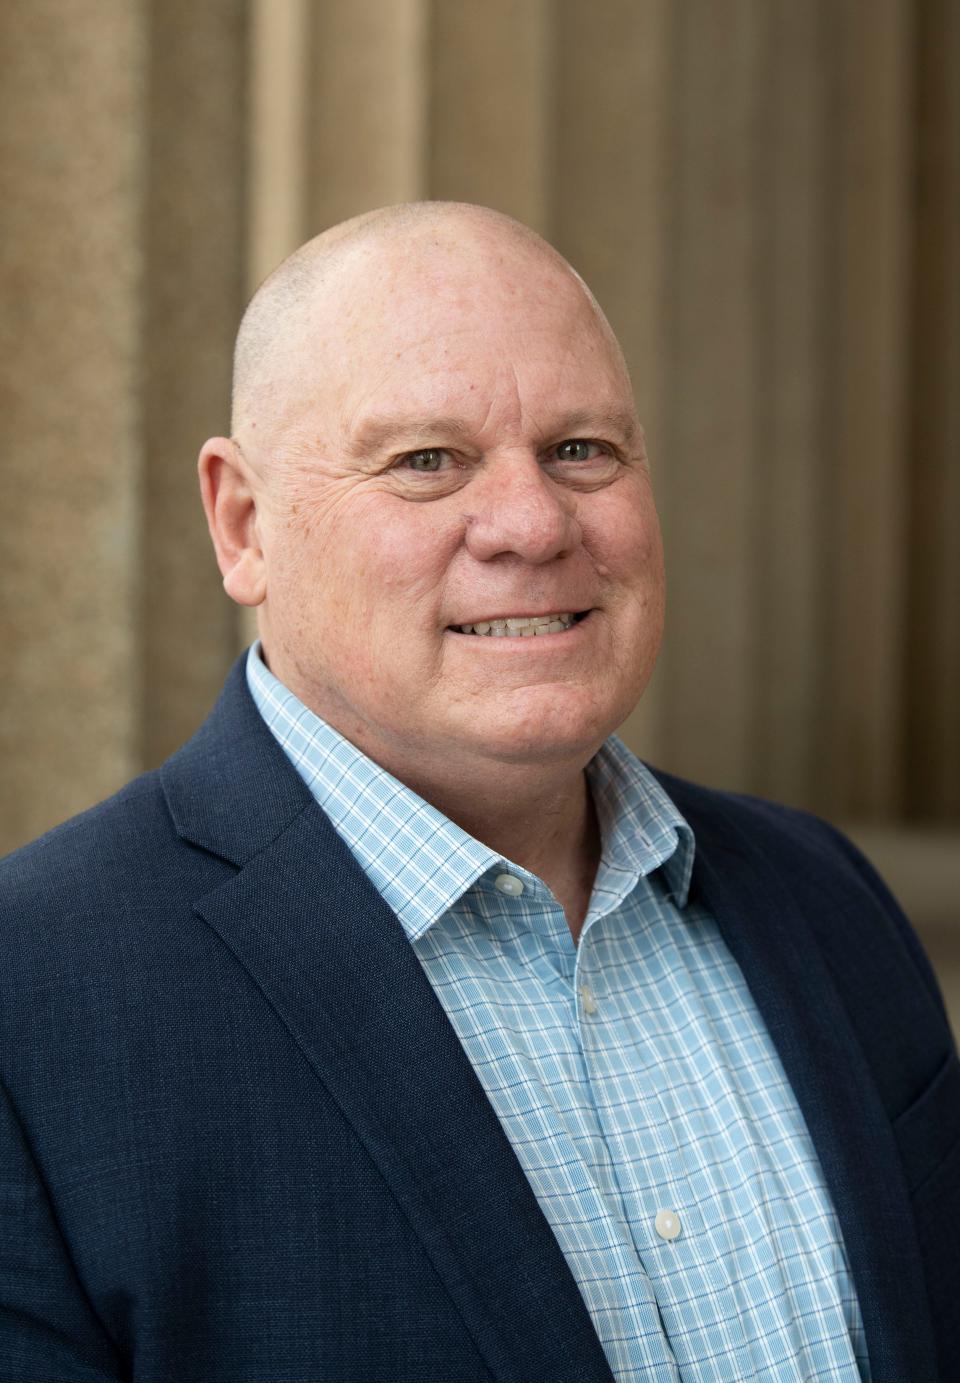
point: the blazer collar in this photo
(230, 789)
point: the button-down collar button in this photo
(588, 999)
(667, 1224)
(509, 884)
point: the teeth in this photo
(517, 627)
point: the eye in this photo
(579, 449)
(426, 461)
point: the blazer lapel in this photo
(333, 961)
(798, 1000)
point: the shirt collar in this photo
(641, 828)
(418, 860)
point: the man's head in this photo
(434, 428)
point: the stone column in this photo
(711, 372)
(71, 178)
(367, 107)
(194, 237)
(792, 463)
(491, 81)
(866, 360)
(932, 742)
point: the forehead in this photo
(477, 336)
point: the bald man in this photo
(404, 1026)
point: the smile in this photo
(520, 626)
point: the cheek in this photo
(625, 538)
(401, 555)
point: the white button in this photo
(667, 1224)
(587, 998)
(509, 883)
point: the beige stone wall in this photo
(765, 196)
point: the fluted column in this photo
(932, 767)
(867, 362)
(792, 454)
(71, 175)
(194, 236)
(368, 101)
(712, 368)
(492, 76)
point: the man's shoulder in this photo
(128, 853)
(229, 771)
(95, 886)
(745, 806)
(823, 870)
(123, 826)
(120, 858)
(740, 818)
(143, 857)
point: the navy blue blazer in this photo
(242, 1144)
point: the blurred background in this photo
(765, 196)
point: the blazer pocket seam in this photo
(920, 1191)
(928, 1111)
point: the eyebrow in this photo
(379, 431)
(622, 421)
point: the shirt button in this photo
(587, 999)
(667, 1224)
(509, 883)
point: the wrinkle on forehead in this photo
(336, 288)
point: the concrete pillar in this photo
(712, 369)
(71, 177)
(867, 364)
(277, 134)
(367, 94)
(932, 766)
(492, 76)
(194, 238)
(791, 465)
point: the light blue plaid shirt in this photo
(631, 1073)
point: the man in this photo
(403, 1026)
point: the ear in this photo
(230, 505)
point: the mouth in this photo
(521, 626)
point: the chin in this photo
(549, 732)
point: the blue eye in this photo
(427, 460)
(576, 449)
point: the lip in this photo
(579, 615)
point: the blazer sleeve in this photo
(48, 1330)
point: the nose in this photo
(514, 509)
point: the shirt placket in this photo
(633, 1331)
